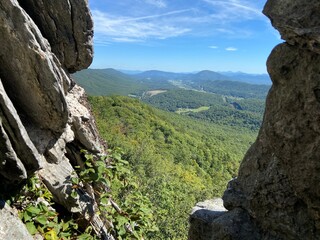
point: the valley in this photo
(228, 102)
(178, 160)
(184, 143)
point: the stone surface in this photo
(278, 184)
(280, 174)
(30, 73)
(82, 121)
(45, 118)
(11, 167)
(210, 220)
(11, 226)
(15, 142)
(57, 178)
(298, 21)
(68, 26)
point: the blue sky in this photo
(182, 35)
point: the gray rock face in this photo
(280, 175)
(210, 219)
(29, 71)
(82, 122)
(15, 140)
(279, 178)
(44, 115)
(68, 26)
(11, 167)
(298, 21)
(11, 226)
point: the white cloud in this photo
(233, 10)
(140, 21)
(125, 39)
(123, 29)
(231, 49)
(213, 47)
(157, 3)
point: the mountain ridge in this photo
(262, 79)
(113, 82)
(252, 78)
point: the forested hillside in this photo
(231, 88)
(106, 82)
(202, 95)
(216, 108)
(103, 82)
(187, 148)
(178, 160)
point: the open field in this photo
(195, 110)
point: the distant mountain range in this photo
(113, 82)
(205, 75)
(249, 78)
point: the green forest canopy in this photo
(178, 160)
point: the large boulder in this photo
(31, 74)
(14, 142)
(67, 24)
(210, 218)
(11, 226)
(45, 118)
(297, 21)
(278, 185)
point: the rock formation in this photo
(277, 192)
(9, 223)
(44, 118)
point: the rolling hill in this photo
(203, 95)
(190, 150)
(216, 108)
(249, 78)
(106, 82)
(178, 160)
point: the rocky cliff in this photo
(277, 192)
(44, 118)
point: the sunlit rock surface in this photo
(44, 116)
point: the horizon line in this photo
(169, 71)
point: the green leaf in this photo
(122, 231)
(40, 229)
(136, 235)
(27, 216)
(121, 220)
(65, 226)
(51, 214)
(65, 235)
(31, 228)
(101, 169)
(88, 164)
(51, 235)
(74, 194)
(51, 224)
(75, 180)
(85, 236)
(42, 219)
(43, 208)
(104, 200)
(33, 210)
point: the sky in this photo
(182, 35)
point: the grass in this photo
(195, 110)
